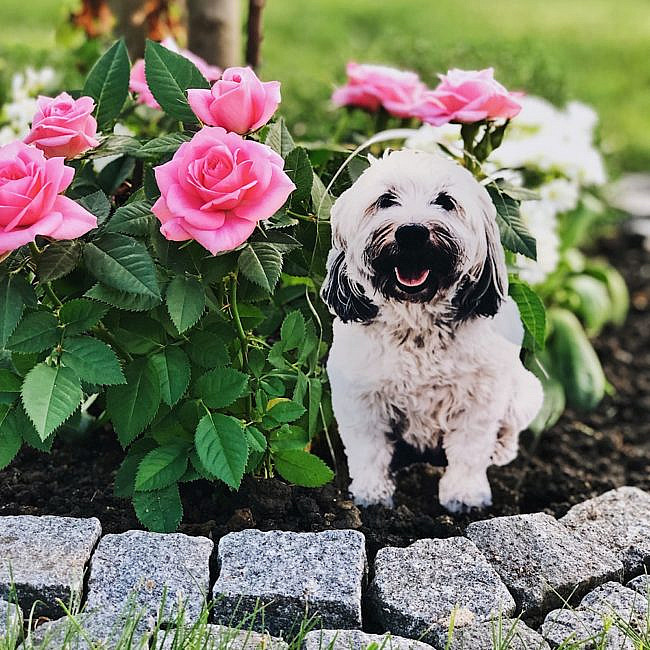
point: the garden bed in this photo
(580, 457)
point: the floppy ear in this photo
(345, 298)
(483, 295)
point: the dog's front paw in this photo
(368, 493)
(461, 493)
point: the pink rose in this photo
(217, 187)
(63, 127)
(30, 201)
(467, 96)
(373, 86)
(138, 81)
(238, 102)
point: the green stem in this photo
(243, 340)
(52, 296)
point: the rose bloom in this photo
(217, 187)
(238, 102)
(467, 96)
(63, 127)
(138, 80)
(374, 86)
(30, 201)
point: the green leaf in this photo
(220, 387)
(185, 302)
(36, 332)
(97, 204)
(50, 395)
(133, 405)
(10, 438)
(262, 264)
(207, 350)
(299, 170)
(514, 234)
(125, 476)
(92, 360)
(160, 511)
(302, 468)
(169, 75)
(163, 146)
(23, 363)
(116, 145)
(288, 437)
(132, 219)
(57, 260)
(11, 305)
(531, 310)
(222, 447)
(256, 439)
(161, 467)
(292, 332)
(279, 138)
(122, 299)
(173, 368)
(9, 383)
(108, 84)
(315, 396)
(321, 199)
(286, 411)
(122, 263)
(80, 315)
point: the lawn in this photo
(594, 50)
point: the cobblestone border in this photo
(524, 566)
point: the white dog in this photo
(414, 276)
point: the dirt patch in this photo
(582, 456)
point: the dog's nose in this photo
(411, 235)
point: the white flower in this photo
(560, 193)
(428, 137)
(541, 219)
(100, 163)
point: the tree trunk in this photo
(254, 42)
(214, 31)
(131, 16)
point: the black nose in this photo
(412, 235)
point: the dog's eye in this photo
(387, 200)
(445, 201)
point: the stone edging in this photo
(523, 565)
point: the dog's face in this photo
(415, 227)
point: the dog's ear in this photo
(345, 298)
(482, 292)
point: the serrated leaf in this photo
(288, 437)
(10, 438)
(50, 394)
(92, 360)
(514, 235)
(122, 263)
(80, 315)
(132, 219)
(163, 145)
(98, 204)
(321, 199)
(36, 332)
(173, 368)
(279, 138)
(116, 145)
(292, 332)
(207, 350)
(281, 241)
(11, 306)
(299, 170)
(185, 299)
(57, 260)
(531, 311)
(169, 75)
(122, 299)
(285, 411)
(256, 440)
(9, 383)
(280, 220)
(220, 387)
(302, 468)
(161, 467)
(133, 405)
(262, 264)
(160, 511)
(222, 447)
(124, 485)
(108, 84)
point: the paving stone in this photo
(291, 574)
(44, 559)
(220, 636)
(358, 640)
(10, 618)
(150, 566)
(498, 633)
(541, 561)
(618, 520)
(595, 619)
(416, 589)
(641, 584)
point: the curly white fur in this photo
(439, 373)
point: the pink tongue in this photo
(412, 281)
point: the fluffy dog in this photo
(415, 275)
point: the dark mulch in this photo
(584, 455)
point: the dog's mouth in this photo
(411, 280)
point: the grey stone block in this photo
(540, 561)
(291, 574)
(147, 567)
(358, 640)
(219, 636)
(600, 619)
(44, 558)
(10, 619)
(417, 589)
(618, 520)
(641, 584)
(507, 633)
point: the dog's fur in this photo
(422, 362)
